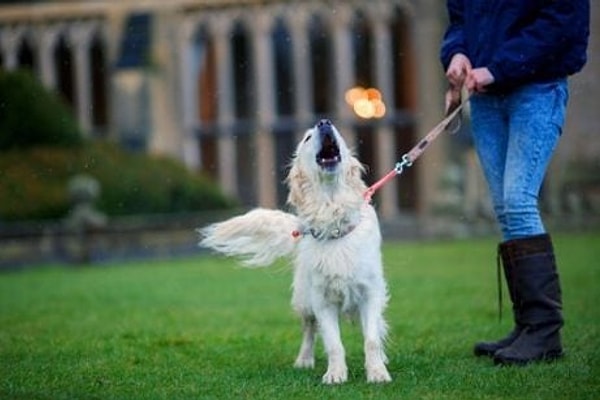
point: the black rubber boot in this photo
(538, 301)
(490, 348)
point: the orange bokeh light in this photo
(366, 103)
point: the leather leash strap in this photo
(409, 158)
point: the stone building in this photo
(229, 86)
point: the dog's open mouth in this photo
(329, 155)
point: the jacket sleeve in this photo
(453, 41)
(558, 26)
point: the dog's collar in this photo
(323, 235)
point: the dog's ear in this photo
(354, 176)
(298, 183)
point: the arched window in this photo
(284, 130)
(204, 64)
(244, 110)
(243, 74)
(402, 58)
(284, 80)
(63, 60)
(25, 55)
(362, 44)
(99, 82)
(321, 67)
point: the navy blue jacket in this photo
(519, 41)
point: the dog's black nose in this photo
(325, 127)
(324, 123)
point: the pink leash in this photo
(409, 158)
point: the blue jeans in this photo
(515, 136)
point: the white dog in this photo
(335, 241)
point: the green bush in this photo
(32, 116)
(33, 183)
(41, 149)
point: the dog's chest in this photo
(340, 283)
(346, 293)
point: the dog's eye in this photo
(307, 138)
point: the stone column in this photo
(426, 36)
(46, 42)
(298, 19)
(80, 35)
(220, 28)
(113, 24)
(265, 75)
(386, 151)
(188, 74)
(9, 45)
(343, 65)
(167, 133)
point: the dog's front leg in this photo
(337, 371)
(374, 327)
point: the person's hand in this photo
(478, 79)
(458, 70)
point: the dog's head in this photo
(322, 149)
(323, 162)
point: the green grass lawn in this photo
(204, 328)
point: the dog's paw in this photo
(335, 375)
(302, 362)
(378, 375)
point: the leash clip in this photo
(406, 162)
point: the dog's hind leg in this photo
(306, 356)
(374, 328)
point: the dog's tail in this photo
(258, 237)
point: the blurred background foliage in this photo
(41, 149)
(31, 116)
